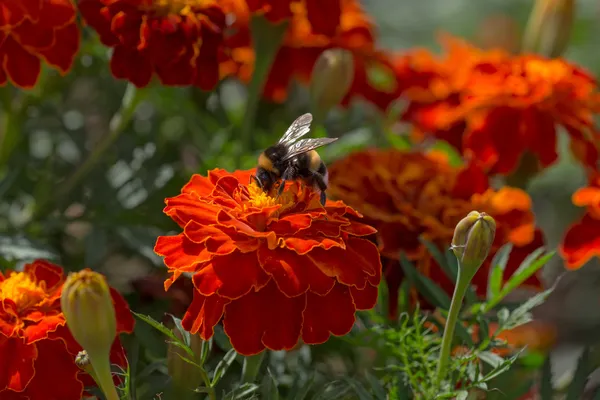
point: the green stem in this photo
(9, 134)
(103, 376)
(267, 39)
(462, 284)
(252, 366)
(131, 99)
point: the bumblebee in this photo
(291, 159)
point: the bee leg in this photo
(287, 174)
(258, 182)
(319, 179)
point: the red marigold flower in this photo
(303, 43)
(582, 240)
(32, 31)
(275, 269)
(407, 196)
(36, 347)
(179, 40)
(496, 107)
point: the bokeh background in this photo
(110, 218)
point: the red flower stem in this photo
(462, 284)
(267, 39)
(131, 99)
(252, 366)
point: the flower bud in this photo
(549, 27)
(331, 79)
(473, 238)
(89, 311)
(88, 308)
(185, 376)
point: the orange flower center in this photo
(170, 7)
(22, 290)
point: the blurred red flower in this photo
(32, 31)
(311, 30)
(495, 107)
(276, 269)
(181, 41)
(36, 347)
(582, 240)
(407, 196)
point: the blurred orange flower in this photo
(32, 31)
(276, 270)
(582, 240)
(313, 28)
(407, 196)
(178, 40)
(36, 347)
(496, 107)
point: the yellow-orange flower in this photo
(496, 107)
(36, 347)
(582, 240)
(407, 196)
(275, 269)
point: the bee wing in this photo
(299, 128)
(305, 145)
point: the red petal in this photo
(358, 229)
(294, 274)
(187, 207)
(203, 314)
(266, 318)
(324, 17)
(125, 320)
(329, 314)
(351, 266)
(130, 65)
(302, 246)
(40, 330)
(181, 254)
(364, 299)
(56, 13)
(66, 45)
(231, 276)
(199, 186)
(55, 373)
(45, 271)
(17, 366)
(581, 242)
(22, 68)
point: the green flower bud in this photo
(88, 308)
(549, 27)
(473, 238)
(331, 79)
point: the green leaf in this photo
(185, 334)
(496, 275)
(527, 269)
(462, 395)
(546, 391)
(358, 388)
(580, 377)
(269, 387)
(492, 359)
(376, 386)
(432, 292)
(302, 392)
(223, 365)
(245, 391)
(439, 259)
(521, 314)
(205, 350)
(158, 326)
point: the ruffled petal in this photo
(266, 318)
(332, 314)
(581, 242)
(17, 366)
(203, 314)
